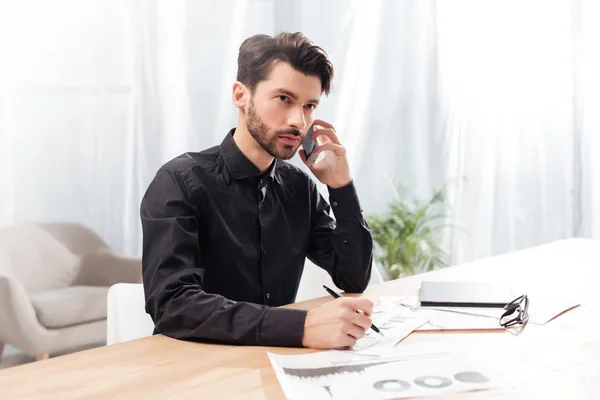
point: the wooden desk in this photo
(558, 360)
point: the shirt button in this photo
(264, 252)
(345, 241)
(268, 295)
(335, 203)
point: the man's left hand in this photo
(333, 169)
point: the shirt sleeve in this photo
(172, 274)
(344, 246)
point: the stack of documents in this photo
(542, 309)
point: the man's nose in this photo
(296, 119)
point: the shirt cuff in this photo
(283, 327)
(344, 202)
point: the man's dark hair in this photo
(258, 52)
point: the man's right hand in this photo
(336, 324)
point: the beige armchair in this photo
(54, 280)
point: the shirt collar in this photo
(238, 165)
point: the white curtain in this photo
(501, 97)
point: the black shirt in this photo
(224, 244)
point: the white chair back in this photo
(126, 315)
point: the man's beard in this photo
(269, 142)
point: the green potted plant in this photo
(407, 237)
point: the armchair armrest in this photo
(106, 268)
(19, 325)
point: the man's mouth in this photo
(290, 139)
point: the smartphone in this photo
(309, 145)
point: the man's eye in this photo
(284, 98)
(311, 106)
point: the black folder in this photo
(465, 294)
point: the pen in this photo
(336, 295)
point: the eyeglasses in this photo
(517, 312)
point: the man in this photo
(226, 231)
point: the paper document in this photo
(393, 330)
(440, 318)
(405, 371)
(542, 308)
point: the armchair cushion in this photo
(74, 305)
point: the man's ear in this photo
(240, 96)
